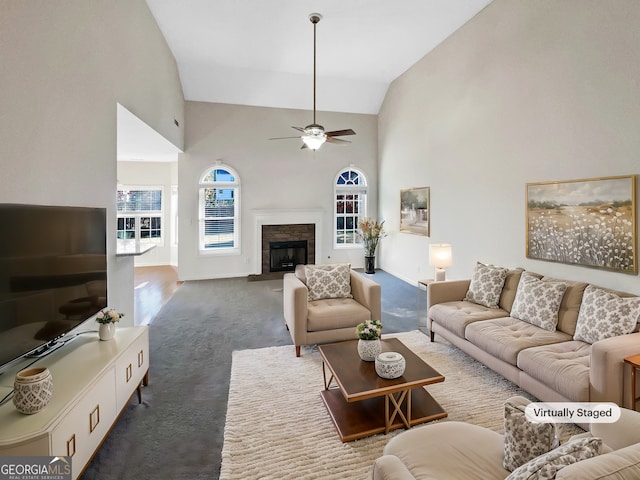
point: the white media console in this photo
(92, 382)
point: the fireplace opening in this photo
(284, 256)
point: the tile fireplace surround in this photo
(285, 225)
(287, 233)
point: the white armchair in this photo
(330, 319)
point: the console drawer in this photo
(131, 367)
(80, 431)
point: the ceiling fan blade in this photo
(339, 133)
(338, 141)
(282, 138)
(300, 129)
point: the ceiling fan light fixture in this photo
(313, 136)
(314, 142)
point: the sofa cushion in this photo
(508, 294)
(505, 337)
(538, 301)
(547, 466)
(328, 281)
(563, 367)
(570, 305)
(450, 449)
(603, 314)
(524, 440)
(623, 464)
(333, 313)
(455, 316)
(486, 285)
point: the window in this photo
(219, 207)
(350, 204)
(140, 214)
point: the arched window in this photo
(350, 193)
(219, 215)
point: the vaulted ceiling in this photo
(260, 52)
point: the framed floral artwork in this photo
(415, 211)
(589, 222)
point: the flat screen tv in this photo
(53, 274)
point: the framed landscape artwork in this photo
(414, 211)
(590, 222)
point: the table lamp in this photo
(440, 257)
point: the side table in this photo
(634, 362)
(425, 284)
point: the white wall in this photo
(274, 175)
(524, 92)
(154, 174)
(65, 65)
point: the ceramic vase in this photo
(33, 388)
(369, 264)
(390, 365)
(106, 331)
(369, 349)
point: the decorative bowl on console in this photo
(390, 365)
(33, 388)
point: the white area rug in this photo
(278, 427)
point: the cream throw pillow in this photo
(604, 314)
(486, 285)
(328, 281)
(546, 466)
(537, 302)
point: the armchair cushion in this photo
(335, 313)
(449, 449)
(328, 281)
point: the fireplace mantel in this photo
(285, 217)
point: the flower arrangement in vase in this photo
(369, 346)
(371, 232)
(107, 320)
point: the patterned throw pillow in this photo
(524, 440)
(546, 466)
(486, 285)
(604, 314)
(328, 281)
(537, 302)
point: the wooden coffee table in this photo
(362, 404)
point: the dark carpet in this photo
(177, 432)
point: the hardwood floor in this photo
(153, 287)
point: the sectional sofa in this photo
(559, 340)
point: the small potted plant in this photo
(369, 346)
(107, 320)
(371, 232)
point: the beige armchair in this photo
(331, 319)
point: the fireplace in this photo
(294, 244)
(284, 256)
(284, 225)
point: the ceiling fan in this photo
(313, 135)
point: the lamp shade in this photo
(440, 255)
